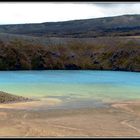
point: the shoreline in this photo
(121, 118)
(111, 70)
(31, 104)
(52, 101)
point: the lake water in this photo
(76, 85)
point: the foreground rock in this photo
(9, 98)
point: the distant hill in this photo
(125, 25)
(49, 41)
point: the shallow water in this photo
(73, 85)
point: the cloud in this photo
(118, 8)
(112, 4)
(45, 12)
(35, 12)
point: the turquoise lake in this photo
(73, 84)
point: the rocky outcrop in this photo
(9, 98)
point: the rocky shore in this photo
(9, 98)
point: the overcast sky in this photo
(35, 12)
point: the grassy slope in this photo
(100, 54)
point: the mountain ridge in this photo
(105, 26)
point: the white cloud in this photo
(121, 9)
(44, 12)
(23, 12)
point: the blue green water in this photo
(83, 84)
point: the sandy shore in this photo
(32, 104)
(120, 119)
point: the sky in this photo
(38, 12)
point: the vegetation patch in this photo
(74, 55)
(9, 98)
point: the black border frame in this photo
(84, 1)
